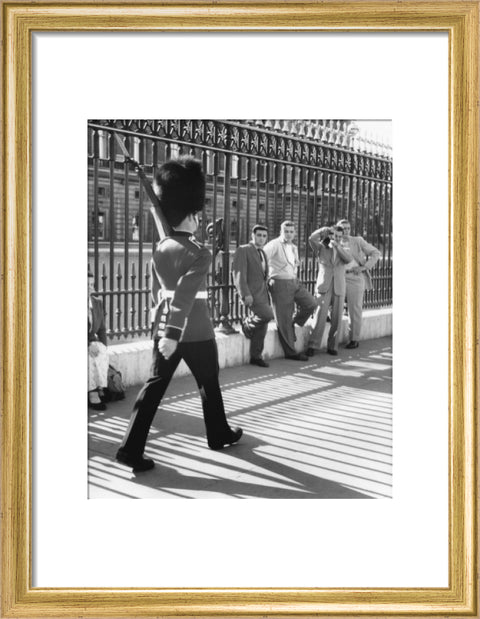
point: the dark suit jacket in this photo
(96, 330)
(248, 275)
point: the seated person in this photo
(97, 349)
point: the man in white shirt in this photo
(286, 290)
(357, 278)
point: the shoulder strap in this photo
(157, 310)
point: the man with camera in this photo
(330, 287)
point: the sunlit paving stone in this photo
(105, 426)
(197, 460)
(367, 409)
(227, 471)
(278, 389)
(299, 416)
(337, 371)
(191, 406)
(239, 397)
(105, 437)
(374, 482)
(112, 422)
(115, 427)
(323, 432)
(311, 445)
(106, 464)
(121, 489)
(321, 439)
(368, 365)
(297, 429)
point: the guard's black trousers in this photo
(202, 359)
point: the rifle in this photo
(163, 227)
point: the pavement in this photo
(319, 429)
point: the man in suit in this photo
(250, 271)
(184, 329)
(330, 286)
(358, 278)
(286, 289)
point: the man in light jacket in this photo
(332, 258)
(357, 278)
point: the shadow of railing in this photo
(323, 430)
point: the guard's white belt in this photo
(168, 294)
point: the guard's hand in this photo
(248, 300)
(357, 270)
(167, 346)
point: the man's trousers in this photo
(285, 294)
(256, 325)
(355, 285)
(319, 321)
(202, 359)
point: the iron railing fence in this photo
(254, 175)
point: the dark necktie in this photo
(263, 259)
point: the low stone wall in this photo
(134, 359)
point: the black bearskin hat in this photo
(180, 187)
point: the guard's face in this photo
(260, 238)
(288, 233)
(91, 285)
(346, 229)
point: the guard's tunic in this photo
(180, 267)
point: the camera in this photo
(326, 241)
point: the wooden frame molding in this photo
(20, 20)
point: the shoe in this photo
(246, 332)
(310, 351)
(260, 362)
(97, 406)
(138, 463)
(234, 438)
(298, 357)
(352, 344)
(332, 351)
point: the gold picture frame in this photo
(20, 20)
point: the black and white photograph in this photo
(240, 295)
(240, 304)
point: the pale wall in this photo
(134, 359)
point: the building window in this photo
(135, 228)
(104, 192)
(99, 228)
